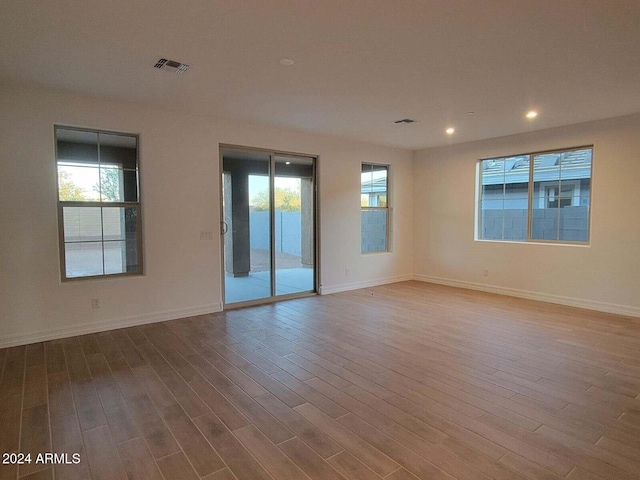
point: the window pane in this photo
(131, 224)
(132, 257)
(118, 185)
(378, 186)
(77, 147)
(118, 150)
(492, 199)
(493, 171)
(77, 165)
(113, 223)
(373, 185)
(492, 222)
(366, 178)
(130, 185)
(546, 167)
(504, 198)
(576, 164)
(574, 224)
(78, 183)
(82, 224)
(515, 220)
(546, 196)
(115, 257)
(575, 177)
(374, 230)
(132, 235)
(121, 240)
(83, 259)
(111, 184)
(562, 185)
(517, 191)
(544, 224)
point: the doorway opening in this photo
(268, 225)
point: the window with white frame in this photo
(374, 194)
(99, 215)
(542, 197)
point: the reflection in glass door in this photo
(268, 212)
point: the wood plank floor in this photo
(404, 381)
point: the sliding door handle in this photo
(224, 227)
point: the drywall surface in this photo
(179, 159)
(604, 275)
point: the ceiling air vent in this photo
(171, 66)
(406, 120)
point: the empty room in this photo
(308, 240)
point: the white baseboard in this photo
(93, 327)
(625, 310)
(345, 287)
(134, 320)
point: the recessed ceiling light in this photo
(287, 62)
(471, 113)
(450, 130)
(532, 114)
(287, 163)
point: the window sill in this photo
(521, 242)
(101, 277)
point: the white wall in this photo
(179, 160)
(180, 195)
(603, 276)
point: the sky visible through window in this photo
(86, 178)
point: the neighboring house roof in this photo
(574, 165)
(377, 185)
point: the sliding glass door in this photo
(268, 228)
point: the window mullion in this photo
(530, 202)
(504, 193)
(559, 197)
(101, 209)
(102, 235)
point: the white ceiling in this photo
(360, 64)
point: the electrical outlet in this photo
(485, 272)
(347, 272)
(206, 235)
(95, 303)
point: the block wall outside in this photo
(288, 231)
(512, 224)
(374, 231)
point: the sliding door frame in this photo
(316, 226)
